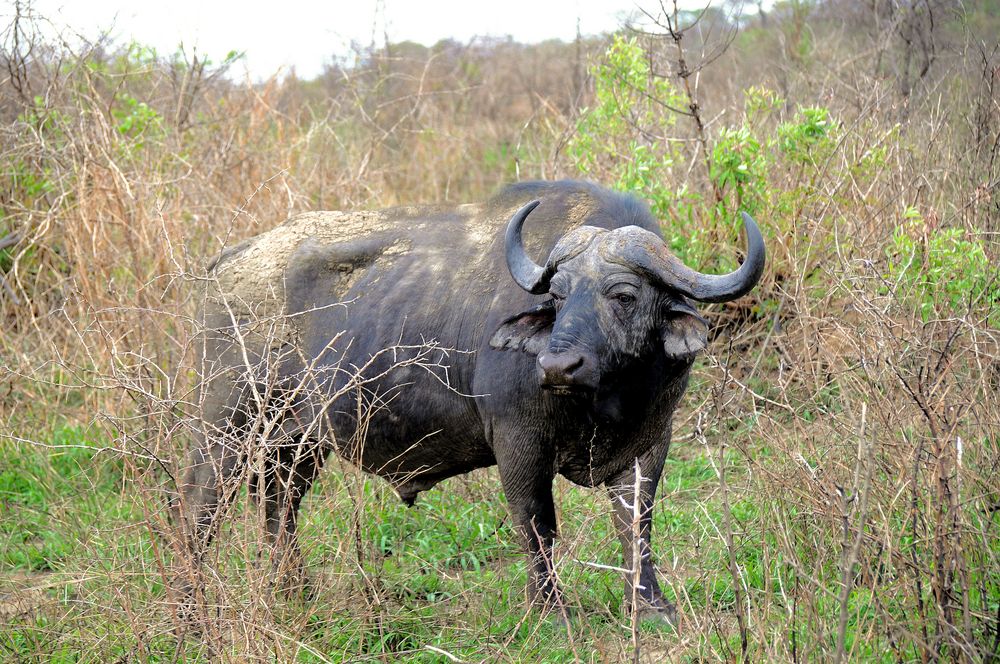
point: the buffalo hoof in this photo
(187, 618)
(561, 617)
(187, 596)
(295, 586)
(662, 615)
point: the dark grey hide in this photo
(573, 366)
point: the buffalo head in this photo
(617, 296)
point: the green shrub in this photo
(135, 120)
(809, 138)
(620, 138)
(775, 171)
(943, 271)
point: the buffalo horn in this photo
(721, 287)
(651, 255)
(529, 275)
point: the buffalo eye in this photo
(624, 299)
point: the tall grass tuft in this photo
(831, 494)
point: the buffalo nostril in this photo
(573, 364)
(559, 368)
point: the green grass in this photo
(449, 572)
(446, 574)
(53, 498)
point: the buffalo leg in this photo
(208, 487)
(287, 478)
(215, 469)
(634, 533)
(527, 481)
(217, 463)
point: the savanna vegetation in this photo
(832, 493)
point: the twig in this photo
(851, 550)
(637, 554)
(443, 653)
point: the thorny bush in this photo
(832, 492)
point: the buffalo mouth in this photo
(568, 390)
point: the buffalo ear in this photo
(684, 332)
(528, 331)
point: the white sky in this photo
(307, 34)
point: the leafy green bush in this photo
(620, 139)
(943, 271)
(135, 120)
(774, 171)
(739, 165)
(808, 139)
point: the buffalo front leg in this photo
(633, 516)
(216, 464)
(527, 481)
(213, 475)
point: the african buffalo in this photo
(398, 339)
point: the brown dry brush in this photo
(127, 172)
(855, 411)
(866, 421)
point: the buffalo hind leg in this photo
(651, 602)
(210, 483)
(209, 486)
(288, 476)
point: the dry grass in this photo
(832, 491)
